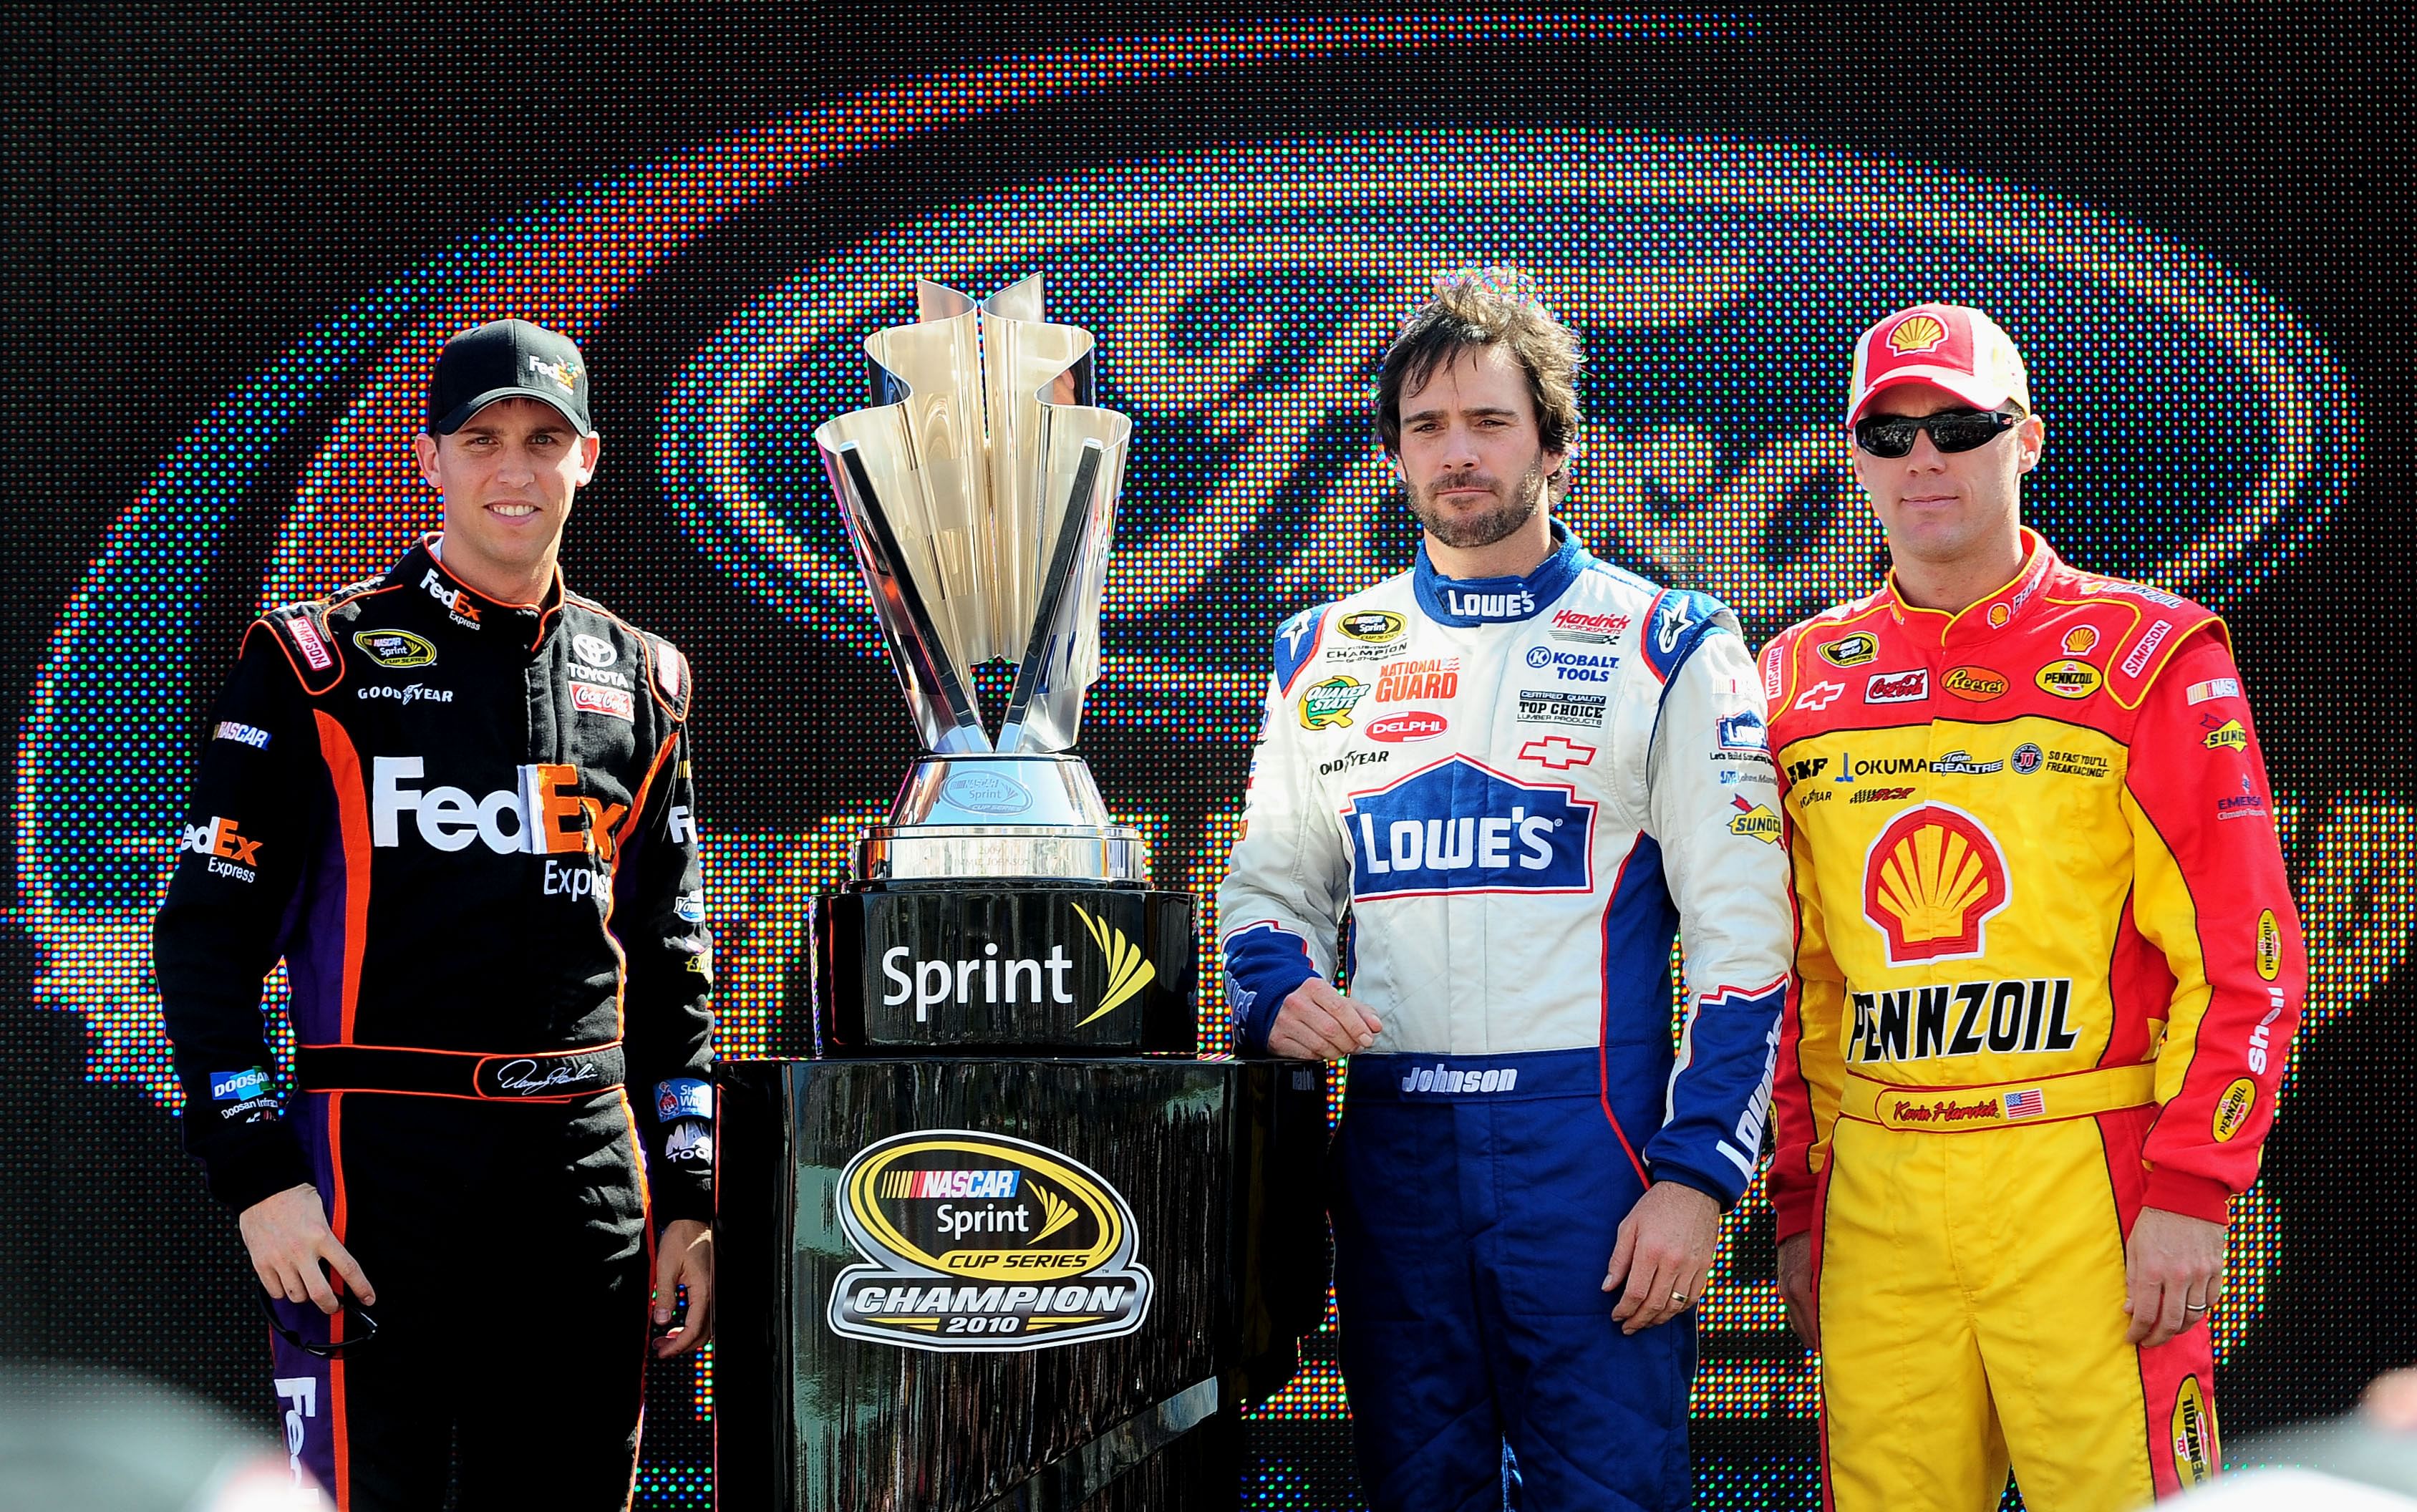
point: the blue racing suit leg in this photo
(1472, 1229)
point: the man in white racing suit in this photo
(1518, 769)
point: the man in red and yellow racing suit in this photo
(2048, 970)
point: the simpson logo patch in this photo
(976, 1242)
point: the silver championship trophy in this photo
(979, 494)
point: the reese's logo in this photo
(395, 648)
(977, 1241)
(1979, 684)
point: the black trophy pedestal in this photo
(950, 1284)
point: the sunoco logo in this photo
(976, 1241)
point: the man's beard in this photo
(1466, 532)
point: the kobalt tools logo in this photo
(976, 1241)
(1458, 827)
(1933, 879)
(1574, 665)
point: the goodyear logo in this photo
(2232, 1109)
(1979, 684)
(2270, 945)
(1372, 625)
(2194, 1434)
(2228, 735)
(975, 1242)
(2070, 679)
(1851, 651)
(395, 648)
(1329, 704)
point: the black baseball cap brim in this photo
(507, 359)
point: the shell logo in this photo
(1917, 333)
(1931, 882)
(2079, 640)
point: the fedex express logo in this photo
(1458, 827)
(544, 815)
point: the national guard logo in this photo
(1916, 334)
(2270, 945)
(1375, 624)
(2194, 1434)
(395, 648)
(982, 1242)
(1931, 882)
(1329, 704)
(2232, 1109)
(1851, 651)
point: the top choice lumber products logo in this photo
(983, 1242)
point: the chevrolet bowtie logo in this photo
(1558, 753)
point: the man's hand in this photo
(288, 1237)
(2173, 1269)
(1795, 1289)
(684, 1256)
(1318, 1023)
(1664, 1252)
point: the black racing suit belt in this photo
(537, 1076)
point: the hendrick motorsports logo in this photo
(983, 1242)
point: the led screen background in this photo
(238, 240)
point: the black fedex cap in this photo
(507, 359)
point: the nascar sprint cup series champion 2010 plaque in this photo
(1004, 1243)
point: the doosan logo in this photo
(1408, 726)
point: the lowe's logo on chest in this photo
(1459, 826)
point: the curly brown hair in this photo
(1485, 308)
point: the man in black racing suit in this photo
(456, 801)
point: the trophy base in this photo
(1012, 816)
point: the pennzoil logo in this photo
(1851, 651)
(1372, 625)
(2232, 1109)
(978, 1242)
(1931, 882)
(2194, 1434)
(2270, 945)
(395, 648)
(2070, 679)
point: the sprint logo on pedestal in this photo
(977, 1241)
(991, 979)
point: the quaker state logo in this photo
(1931, 882)
(983, 1242)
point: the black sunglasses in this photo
(1891, 435)
(354, 1313)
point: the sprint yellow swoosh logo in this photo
(1128, 973)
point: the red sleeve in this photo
(2209, 895)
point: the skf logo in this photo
(2232, 1109)
(2228, 735)
(1558, 753)
(1979, 684)
(1915, 334)
(1819, 696)
(1372, 625)
(1458, 827)
(544, 816)
(978, 1242)
(2070, 679)
(1755, 822)
(2194, 1434)
(1931, 882)
(456, 604)
(1806, 771)
(1851, 651)
(2270, 945)
(230, 855)
(1329, 704)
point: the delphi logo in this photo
(1930, 884)
(1458, 827)
(977, 1241)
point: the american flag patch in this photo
(2028, 1103)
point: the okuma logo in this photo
(978, 1242)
